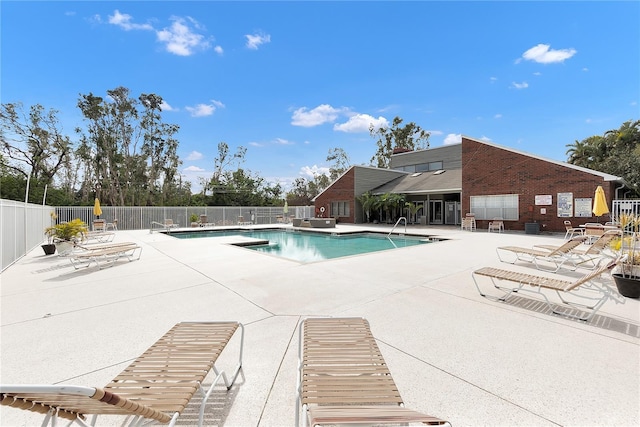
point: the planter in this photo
(64, 248)
(628, 286)
(49, 248)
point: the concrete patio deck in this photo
(453, 354)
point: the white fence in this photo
(21, 228)
(141, 217)
(22, 225)
(624, 206)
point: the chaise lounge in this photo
(587, 258)
(157, 386)
(343, 378)
(104, 255)
(557, 256)
(589, 287)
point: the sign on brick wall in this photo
(565, 205)
(583, 207)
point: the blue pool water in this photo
(308, 247)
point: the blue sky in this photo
(291, 80)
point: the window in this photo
(489, 207)
(432, 166)
(339, 209)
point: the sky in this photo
(289, 81)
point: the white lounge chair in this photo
(99, 236)
(557, 257)
(104, 255)
(157, 386)
(590, 287)
(343, 378)
(587, 258)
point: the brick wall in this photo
(489, 170)
(341, 190)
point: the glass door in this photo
(435, 211)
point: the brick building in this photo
(445, 183)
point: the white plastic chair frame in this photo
(557, 258)
(54, 413)
(590, 283)
(105, 255)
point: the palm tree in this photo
(413, 209)
(395, 201)
(368, 202)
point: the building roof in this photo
(443, 181)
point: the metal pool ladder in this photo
(398, 222)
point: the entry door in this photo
(451, 215)
(435, 212)
(419, 212)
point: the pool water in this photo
(308, 247)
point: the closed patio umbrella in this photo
(600, 203)
(97, 211)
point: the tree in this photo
(617, 152)
(299, 194)
(159, 148)
(33, 145)
(242, 188)
(389, 202)
(413, 209)
(127, 154)
(220, 165)
(410, 137)
(368, 201)
(340, 161)
(318, 184)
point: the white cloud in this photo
(585, 69)
(361, 123)
(485, 138)
(493, 79)
(255, 40)
(453, 138)
(311, 172)
(218, 50)
(542, 54)
(522, 85)
(123, 21)
(194, 155)
(434, 132)
(166, 107)
(181, 39)
(497, 116)
(281, 141)
(203, 110)
(321, 114)
(256, 144)
(193, 169)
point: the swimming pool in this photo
(309, 246)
